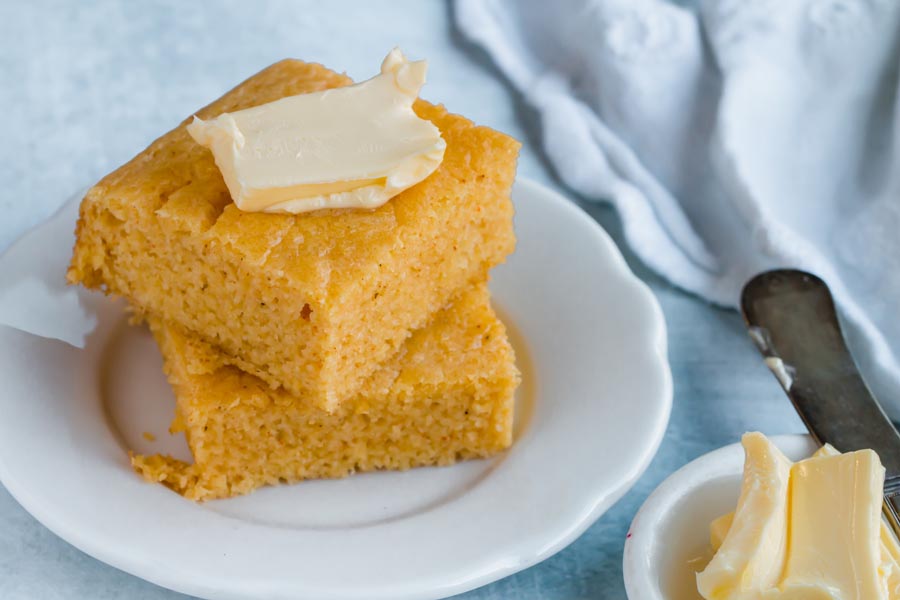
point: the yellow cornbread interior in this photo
(311, 302)
(447, 395)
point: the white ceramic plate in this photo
(669, 537)
(591, 413)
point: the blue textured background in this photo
(86, 85)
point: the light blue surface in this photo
(86, 85)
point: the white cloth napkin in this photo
(733, 138)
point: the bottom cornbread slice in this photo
(447, 395)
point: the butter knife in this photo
(792, 320)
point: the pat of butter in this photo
(839, 546)
(350, 147)
(719, 527)
(835, 529)
(890, 560)
(751, 557)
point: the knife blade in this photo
(791, 318)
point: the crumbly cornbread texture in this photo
(447, 395)
(313, 302)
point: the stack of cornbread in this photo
(314, 344)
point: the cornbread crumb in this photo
(149, 436)
(312, 302)
(446, 396)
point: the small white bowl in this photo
(670, 533)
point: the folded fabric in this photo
(732, 138)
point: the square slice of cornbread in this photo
(312, 302)
(447, 395)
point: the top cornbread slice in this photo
(313, 302)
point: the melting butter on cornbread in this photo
(356, 146)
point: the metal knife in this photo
(792, 319)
